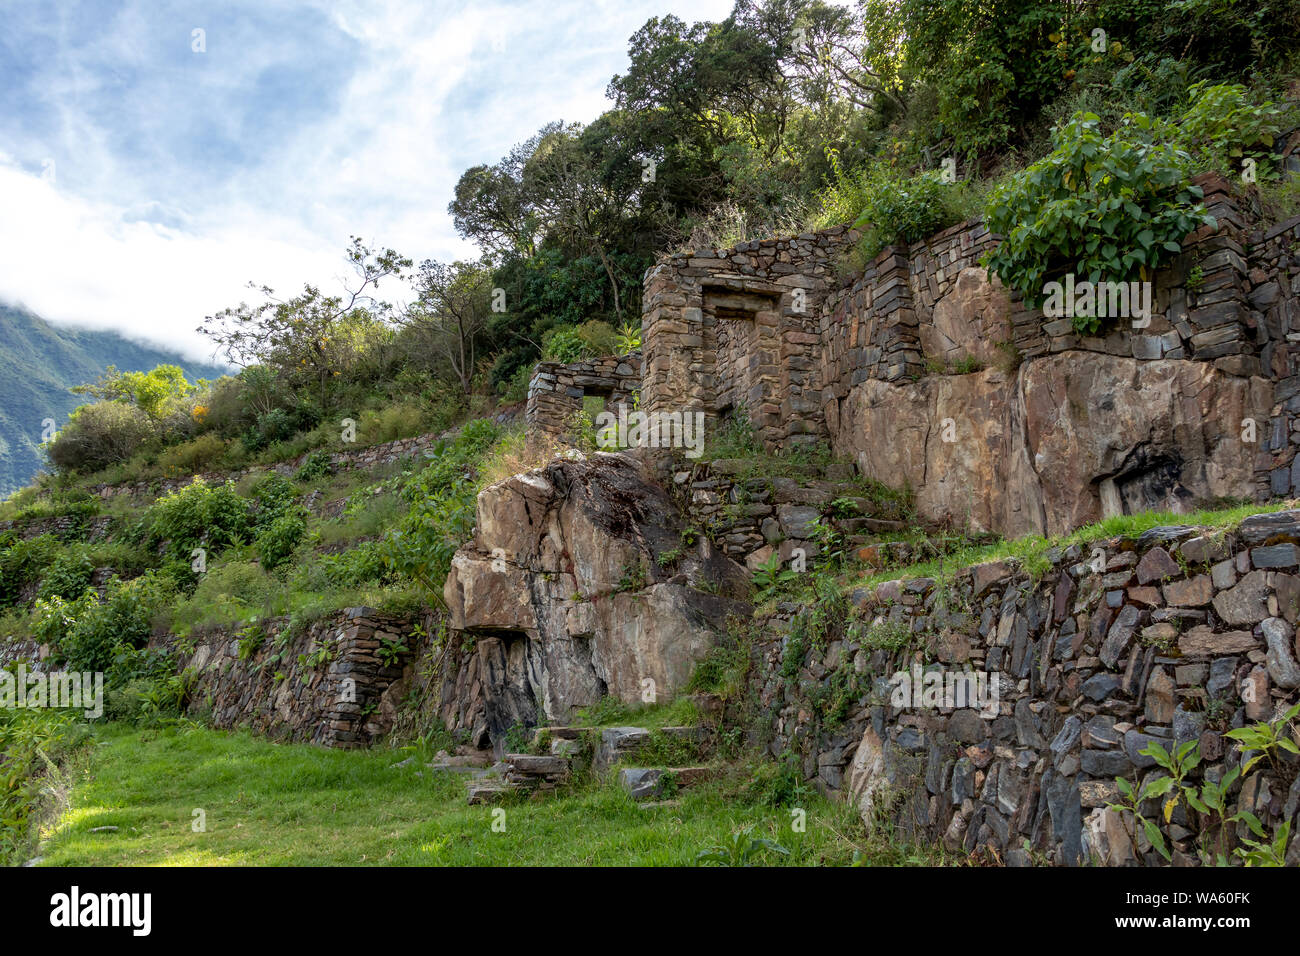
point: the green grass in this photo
(283, 804)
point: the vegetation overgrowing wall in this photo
(1179, 638)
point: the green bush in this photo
(315, 466)
(34, 742)
(275, 496)
(90, 633)
(23, 562)
(212, 516)
(1226, 127)
(191, 457)
(564, 344)
(356, 567)
(441, 515)
(277, 541)
(68, 576)
(100, 435)
(1107, 208)
(903, 209)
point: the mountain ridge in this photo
(40, 362)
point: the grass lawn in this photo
(285, 804)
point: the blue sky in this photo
(143, 183)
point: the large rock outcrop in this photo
(1068, 439)
(581, 581)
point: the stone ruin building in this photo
(927, 374)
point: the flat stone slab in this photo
(642, 783)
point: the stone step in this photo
(519, 772)
(643, 783)
(488, 790)
(619, 742)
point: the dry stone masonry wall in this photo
(556, 390)
(338, 683)
(1178, 635)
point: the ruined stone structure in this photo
(557, 390)
(926, 373)
(737, 329)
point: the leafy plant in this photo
(769, 576)
(629, 338)
(743, 849)
(1267, 738)
(1224, 125)
(1107, 208)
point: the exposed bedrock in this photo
(1066, 440)
(579, 582)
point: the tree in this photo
(156, 392)
(306, 339)
(451, 313)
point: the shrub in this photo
(1227, 128)
(199, 514)
(191, 457)
(68, 576)
(903, 209)
(278, 539)
(99, 435)
(275, 496)
(356, 567)
(564, 344)
(598, 338)
(1106, 207)
(441, 515)
(315, 466)
(22, 563)
(89, 633)
(572, 343)
(398, 420)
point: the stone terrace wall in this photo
(1177, 635)
(1273, 284)
(345, 701)
(556, 390)
(726, 328)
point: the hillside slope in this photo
(39, 362)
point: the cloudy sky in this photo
(148, 172)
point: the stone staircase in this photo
(569, 751)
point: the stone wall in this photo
(1177, 635)
(329, 684)
(926, 373)
(752, 516)
(737, 328)
(556, 390)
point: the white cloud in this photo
(143, 242)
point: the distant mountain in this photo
(39, 362)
